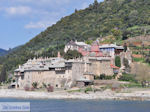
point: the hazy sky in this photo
(21, 20)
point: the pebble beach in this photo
(105, 95)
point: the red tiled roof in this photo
(136, 55)
(113, 66)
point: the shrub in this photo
(131, 85)
(114, 76)
(102, 76)
(44, 85)
(128, 77)
(88, 89)
(105, 77)
(138, 59)
(108, 77)
(35, 84)
(72, 91)
(27, 88)
(50, 88)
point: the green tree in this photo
(89, 42)
(125, 35)
(117, 61)
(72, 54)
(116, 33)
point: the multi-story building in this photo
(95, 50)
(57, 72)
(76, 46)
(111, 49)
(101, 65)
(61, 73)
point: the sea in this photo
(48, 105)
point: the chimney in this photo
(58, 54)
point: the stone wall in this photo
(101, 67)
(78, 69)
(55, 79)
(127, 55)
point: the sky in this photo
(22, 20)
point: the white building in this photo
(75, 46)
(111, 49)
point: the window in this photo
(41, 66)
(22, 77)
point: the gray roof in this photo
(100, 58)
(84, 80)
(41, 64)
(76, 43)
(88, 73)
(111, 46)
(56, 65)
(81, 44)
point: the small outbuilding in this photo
(83, 82)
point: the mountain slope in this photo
(3, 52)
(98, 20)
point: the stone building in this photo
(48, 71)
(57, 72)
(101, 65)
(79, 69)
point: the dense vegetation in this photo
(72, 54)
(128, 77)
(120, 18)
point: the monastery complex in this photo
(61, 73)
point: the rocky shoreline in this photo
(105, 95)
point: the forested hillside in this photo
(3, 52)
(120, 18)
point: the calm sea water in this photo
(83, 105)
